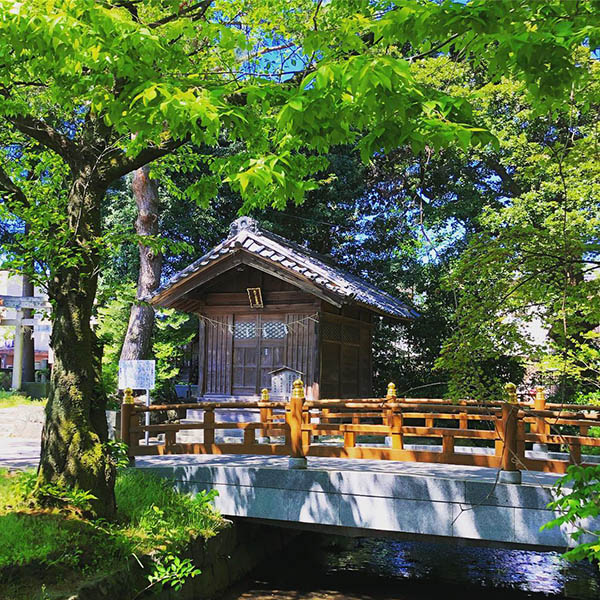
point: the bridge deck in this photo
(247, 461)
(373, 497)
(364, 496)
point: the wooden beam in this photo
(297, 280)
(212, 270)
(14, 322)
(24, 302)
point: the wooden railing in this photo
(389, 428)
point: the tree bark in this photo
(137, 343)
(74, 452)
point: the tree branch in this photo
(47, 136)
(434, 49)
(508, 181)
(117, 165)
(10, 188)
(193, 12)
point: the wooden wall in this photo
(346, 353)
(333, 354)
(238, 366)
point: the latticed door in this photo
(245, 356)
(272, 348)
(258, 349)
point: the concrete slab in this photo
(383, 496)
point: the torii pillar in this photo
(20, 304)
(17, 373)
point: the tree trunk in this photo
(74, 453)
(137, 343)
(28, 341)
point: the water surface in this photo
(378, 569)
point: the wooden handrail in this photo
(509, 426)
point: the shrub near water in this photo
(151, 506)
(62, 543)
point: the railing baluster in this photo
(249, 437)
(540, 426)
(170, 439)
(397, 424)
(448, 447)
(266, 414)
(209, 432)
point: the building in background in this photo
(12, 285)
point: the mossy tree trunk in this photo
(74, 452)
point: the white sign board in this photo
(136, 374)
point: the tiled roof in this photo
(245, 235)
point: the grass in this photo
(10, 399)
(52, 546)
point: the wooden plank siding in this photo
(219, 342)
(300, 349)
(346, 359)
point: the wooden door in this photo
(245, 356)
(258, 349)
(272, 347)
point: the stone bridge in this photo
(374, 498)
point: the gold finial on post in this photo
(540, 397)
(128, 396)
(391, 391)
(511, 392)
(264, 395)
(298, 389)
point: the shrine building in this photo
(270, 308)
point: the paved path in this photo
(19, 453)
(22, 453)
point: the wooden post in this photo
(510, 473)
(541, 427)
(209, 434)
(397, 423)
(390, 418)
(265, 415)
(127, 408)
(293, 414)
(447, 447)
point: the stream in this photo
(379, 569)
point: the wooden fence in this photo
(387, 428)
